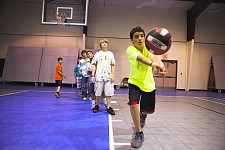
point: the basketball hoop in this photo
(61, 17)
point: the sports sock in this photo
(93, 102)
(104, 101)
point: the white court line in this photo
(212, 98)
(180, 96)
(111, 138)
(116, 109)
(117, 120)
(12, 93)
(121, 144)
(208, 100)
(114, 102)
(189, 97)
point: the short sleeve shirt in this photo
(141, 75)
(57, 69)
(76, 70)
(104, 62)
(84, 66)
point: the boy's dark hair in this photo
(83, 51)
(136, 29)
(90, 52)
(78, 59)
(60, 58)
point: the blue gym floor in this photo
(35, 119)
(32, 118)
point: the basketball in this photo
(158, 41)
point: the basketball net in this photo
(61, 17)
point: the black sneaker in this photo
(57, 95)
(110, 111)
(95, 109)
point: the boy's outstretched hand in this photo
(162, 71)
(159, 69)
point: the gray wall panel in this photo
(49, 61)
(19, 50)
(21, 76)
(218, 59)
(22, 64)
(118, 67)
(60, 52)
(219, 71)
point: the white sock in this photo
(104, 101)
(93, 102)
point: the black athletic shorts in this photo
(146, 99)
(58, 82)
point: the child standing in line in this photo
(58, 76)
(91, 91)
(84, 72)
(78, 76)
(103, 72)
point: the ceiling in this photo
(182, 5)
(161, 4)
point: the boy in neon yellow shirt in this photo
(141, 82)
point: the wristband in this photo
(151, 63)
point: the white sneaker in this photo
(85, 98)
(90, 98)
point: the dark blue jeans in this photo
(84, 86)
(90, 87)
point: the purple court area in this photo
(32, 118)
(159, 92)
(36, 119)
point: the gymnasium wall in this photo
(21, 26)
(116, 23)
(209, 41)
(37, 64)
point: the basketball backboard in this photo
(66, 12)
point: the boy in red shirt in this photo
(58, 76)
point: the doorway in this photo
(168, 81)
